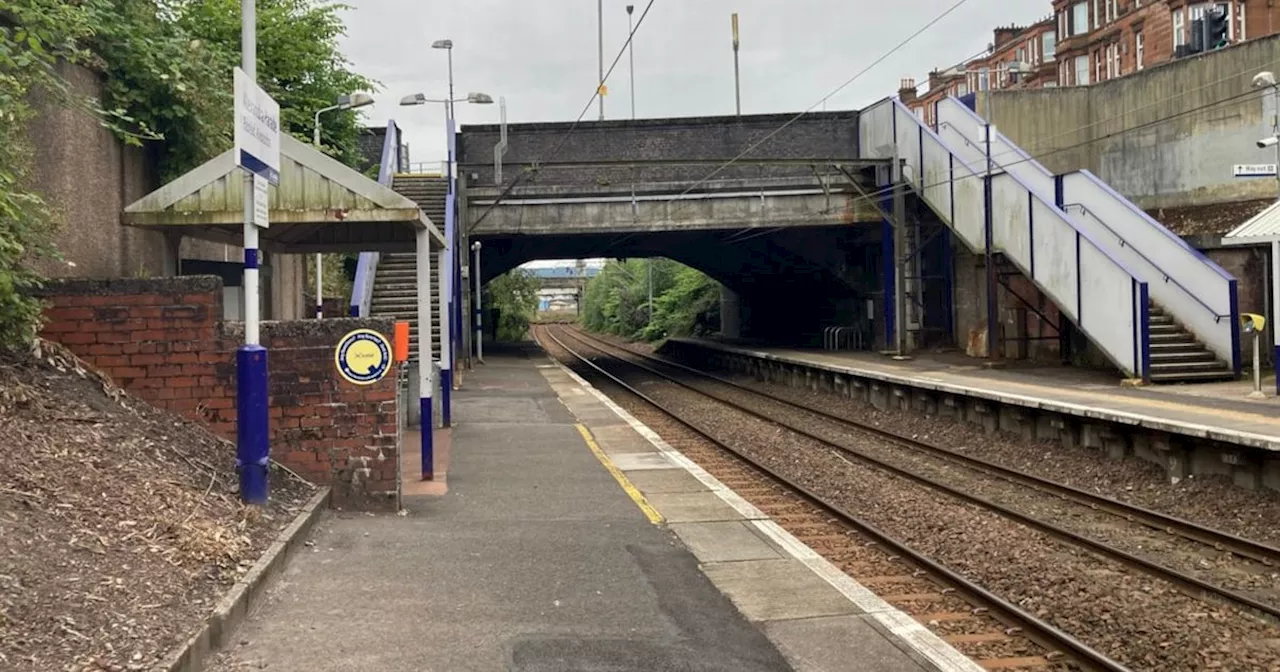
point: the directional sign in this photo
(1254, 170)
(257, 135)
(261, 206)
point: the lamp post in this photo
(1267, 79)
(600, 37)
(631, 55)
(737, 88)
(444, 267)
(347, 102)
(447, 45)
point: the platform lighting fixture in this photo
(344, 102)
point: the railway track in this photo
(976, 621)
(1255, 567)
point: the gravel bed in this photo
(1222, 568)
(1209, 500)
(1142, 622)
(854, 557)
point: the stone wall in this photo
(164, 341)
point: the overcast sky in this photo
(542, 55)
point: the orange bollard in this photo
(401, 342)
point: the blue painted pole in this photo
(252, 442)
(425, 373)
(252, 445)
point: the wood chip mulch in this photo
(120, 526)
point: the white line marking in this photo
(901, 625)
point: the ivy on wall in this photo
(167, 71)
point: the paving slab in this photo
(766, 590)
(665, 481)
(725, 542)
(642, 461)
(823, 645)
(692, 507)
(621, 438)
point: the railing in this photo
(1196, 291)
(367, 264)
(1091, 287)
(851, 338)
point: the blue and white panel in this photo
(1053, 261)
(908, 130)
(936, 176)
(1108, 312)
(1011, 220)
(970, 207)
(875, 131)
(1196, 291)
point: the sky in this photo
(542, 55)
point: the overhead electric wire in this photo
(838, 89)
(565, 136)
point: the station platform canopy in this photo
(320, 205)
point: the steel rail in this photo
(1035, 629)
(1248, 548)
(1191, 585)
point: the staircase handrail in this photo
(1212, 289)
(367, 262)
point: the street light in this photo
(473, 98)
(345, 102)
(631, 53)
(447, 45)
(1263, 80)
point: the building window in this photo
(1111, 10)
(1080, 18)
(1022, 55)
(1082, 70)
(1179, 35)
(1049, 42)
(1138, 48)
(1240, 20)
(1097, 14)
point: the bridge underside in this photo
(790, 282)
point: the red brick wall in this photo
(163, 341)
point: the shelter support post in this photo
(446, 340)
(425, 373)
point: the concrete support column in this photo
(288, 278)
(172, 254)
(730, 313)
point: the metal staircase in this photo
(1155, 307)
(395, 283)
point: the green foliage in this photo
(515, 296)
(34, 36)
(685, 301)
(168, 77)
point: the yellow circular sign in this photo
(363, 357)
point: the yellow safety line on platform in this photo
(621, 478)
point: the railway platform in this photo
(1073, 405)
(570, 537)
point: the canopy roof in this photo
(320, 205)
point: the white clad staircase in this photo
(1153, 305)
(395, 284)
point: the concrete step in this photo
(1159, 319)
(1189, 367)
(1192, 376)
(1187, 345)
(1165, 328)
(1187, 356)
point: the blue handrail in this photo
(367, 264)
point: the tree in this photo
(514, 295)
(299, 62)
(685, 301)
(168, 81)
